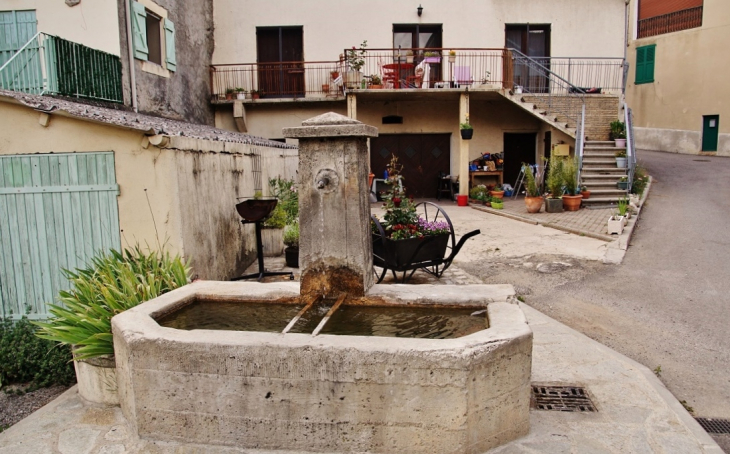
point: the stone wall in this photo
(601, 110)
(185, 94)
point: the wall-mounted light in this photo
(420, 10)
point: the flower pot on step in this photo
(533, 204)
(291, 255)
(553, 205)
(572, 202)
(585, 194)
(621, 163)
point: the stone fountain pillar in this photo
(335, 246)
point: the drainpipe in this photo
(130, 53)
(626, 44)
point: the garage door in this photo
(56, 211)
(423, 156)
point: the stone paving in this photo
(586, 221)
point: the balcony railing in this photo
(49, 64)
(413, 69)
(672, 22)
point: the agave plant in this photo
(111, 284)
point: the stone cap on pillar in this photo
(331, 124)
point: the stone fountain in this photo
(278, 388)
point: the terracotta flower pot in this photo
(497, 194)
(533, 204)
(585, 194)
(572, 202)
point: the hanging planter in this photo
(466, 131)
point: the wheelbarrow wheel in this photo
(431, 212)
(378, 235)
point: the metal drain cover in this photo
(561, 398)
(715, 425)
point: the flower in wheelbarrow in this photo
(433, 228)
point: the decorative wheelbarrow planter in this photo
(432, 254)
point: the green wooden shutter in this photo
(139, 31)
(645, 57)
(170, 45)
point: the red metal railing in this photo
(672, 22)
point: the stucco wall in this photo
(91, 23)
(185, 94)
(184, 197)
(690, 75)
(588, 28)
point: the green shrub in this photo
(478, 192)
(570, 177)
(531, 188)
(554, 180)
(641, 179)
(277, 219)
(113, 283)
(25, 358)
(288, 198)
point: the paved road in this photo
(668, 305)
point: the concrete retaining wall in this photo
(327, 393)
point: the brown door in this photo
(533, 40)
(422, 156)
(518, 148)
(280, 61)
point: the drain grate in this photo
(715, 425)
(561, 398)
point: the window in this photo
(645, 56)
(153, 35)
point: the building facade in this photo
(676, 83)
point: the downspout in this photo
(626, 45)
(130, 52)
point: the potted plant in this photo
(112, 283)
(291, 240)
(623, 183)
(497, 203)
(478, 194)
(229, 93)
(621, 159)
(467, 132)
(325, 88)
(615, 224)
(452, 56)
(571, 196)
(240, 93)
(355, 61)
(431, 57)
(255, 94)
(334, 74)
(585, 192)
(285, 212)
(409, 56)
(533, 199)
(375, 82)
(554, 183)
(497, 193)
(618, 133)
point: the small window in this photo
(154, 42)
(645, 57)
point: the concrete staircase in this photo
(600, 174)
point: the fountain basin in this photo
(329, 393)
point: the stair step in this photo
(600, 143)
(599, 200)
(596, 171)
(607, 192)
(597, 161)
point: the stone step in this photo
(596, 171)
(601, 200)
(599, 143)
(593, 161)
(587, 147)
(607, 192)
(600, 186)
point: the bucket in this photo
(462, 200)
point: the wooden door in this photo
(280, 62)
(422, 156)
(518, 148)
(24, 73)
(533, 40)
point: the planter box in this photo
(401, 253)
(623, 184)
(97, 380)
(273, 240)
(553, 205)
(616, 225)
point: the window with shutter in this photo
(645, 57)
(170, 45)
(139, 31)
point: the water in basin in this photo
(232, 316)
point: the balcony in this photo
(50, 65)
(411, 70)
(672, 22)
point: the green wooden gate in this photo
(16, 30)
(56, 211)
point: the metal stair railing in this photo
(630, 144)
(49, 64)
(580, 135)
(535, 79)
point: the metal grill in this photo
(715, 425)
(561, 398)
